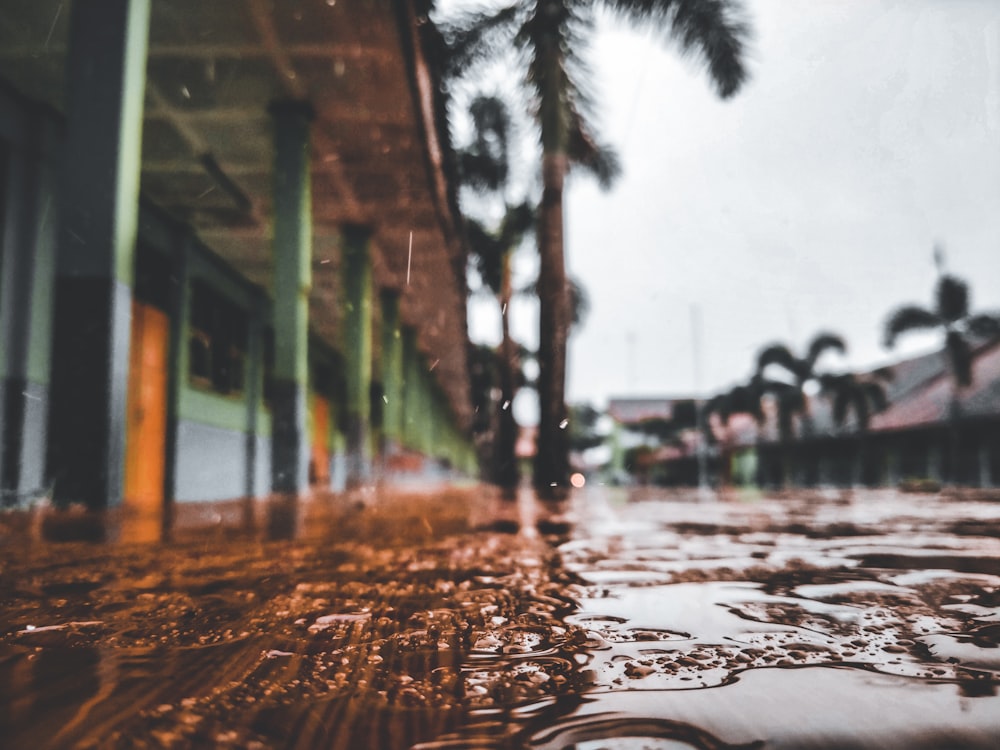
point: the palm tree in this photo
(740, 399)
(790, 397)
(492, 251)
(862, 397)
(485, 167)
(802, 371)
(950, 316)
(549, 37)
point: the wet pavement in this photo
(620, 620)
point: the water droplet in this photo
(563, 424)
(506, 405)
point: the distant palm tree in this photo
(485, 167)
(740, 399)
(951, 316)
(802, 371)
(862, 397)
(549, 37)
(492, 252)
(789, 395)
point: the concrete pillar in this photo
(292, 282)
(105, 86)
(179, 310)
(254, 391)
(27, 257)
(411, 397)
(426, 412)
(357, 322)
(392, 370)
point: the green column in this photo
(105, 86)
(254, 390)
(438, 426)
(425, 411)
(357, 324)
(410, 394)
(292, 281)
(392, 370)
(179, 310)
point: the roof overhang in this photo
(378, 150)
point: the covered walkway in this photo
(232, 259)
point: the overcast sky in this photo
(869, 131)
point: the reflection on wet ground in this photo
(456, 620)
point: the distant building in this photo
(931, 431)
(654, 439)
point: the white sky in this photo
(869, 131)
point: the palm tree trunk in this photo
(552, 457)
(551, 475)
(507, 475)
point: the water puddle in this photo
(634, 622)
(815, 707)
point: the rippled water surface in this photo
(618, 621)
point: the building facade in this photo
(231, 263)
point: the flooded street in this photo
(622, 620)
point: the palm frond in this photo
(849, 392)
(886, 374)
(579, 302)
(780, 355)
(952, 298)
(486, 255)
(875, 396)
(725, 405)
(715, 30)
(908, 318)
(518, 221)
(745, 399)
(984, 325)
(829, 383)
(480, 171)
(601, 161)
(491, 120)
(823, 342)
(472, 37)
(485, 163)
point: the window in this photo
(217, 342)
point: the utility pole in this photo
(696, 333)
